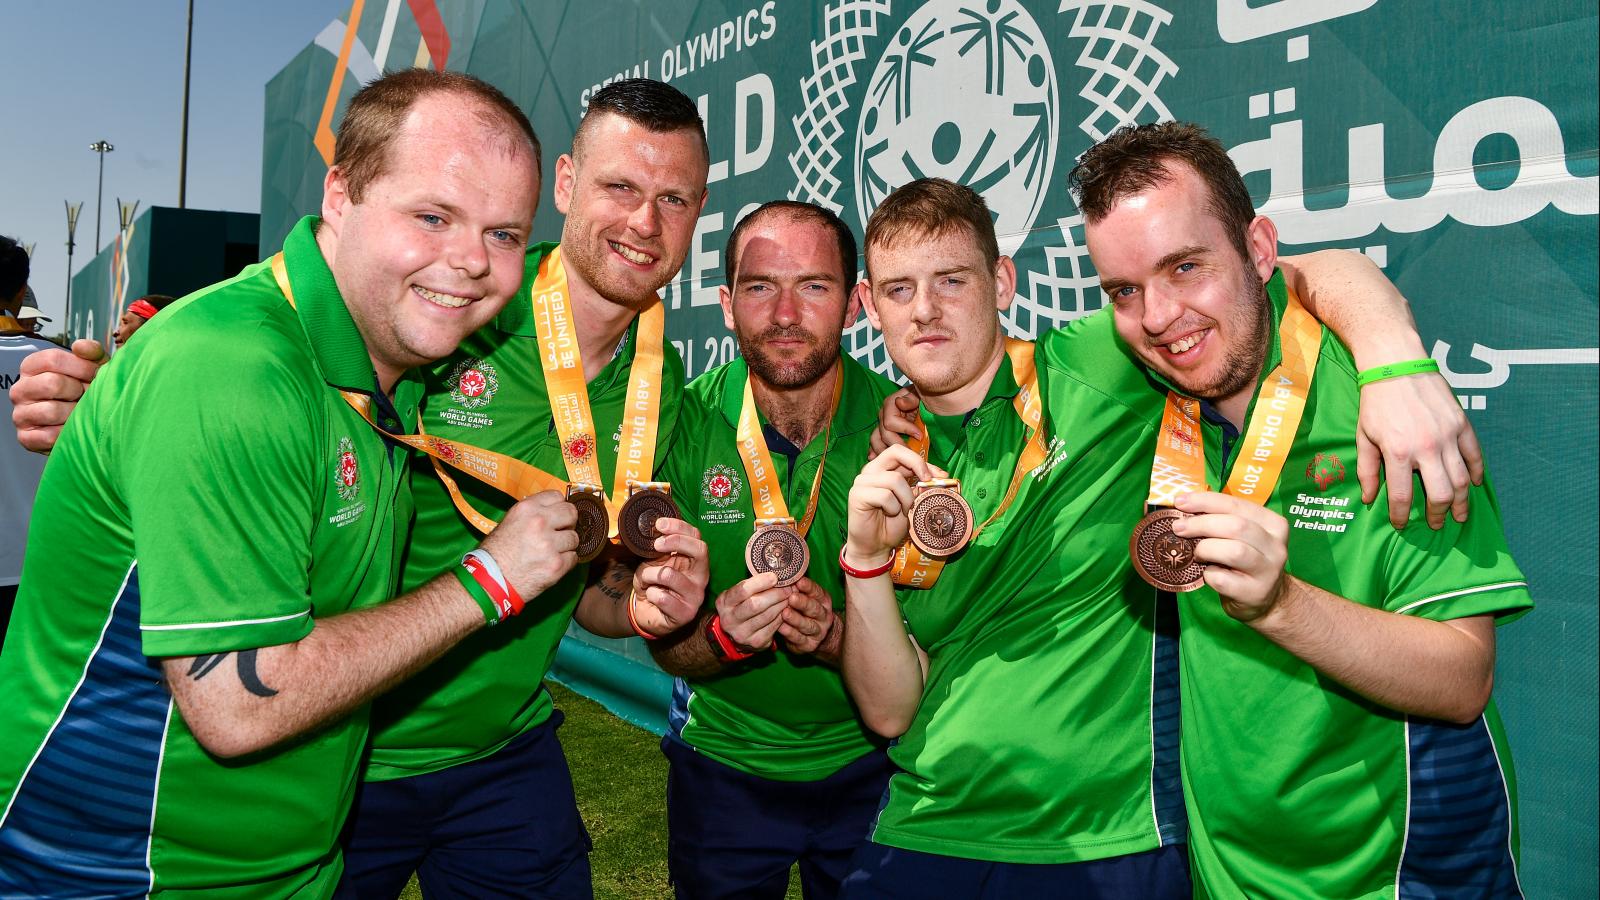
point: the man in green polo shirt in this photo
(466, 784)
(769, 763)
(201, 622)
(1339, 739)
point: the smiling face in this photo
(435, 247)
(1183, 297)
(631, 202)
(936, 300)
(126, 326)
(789, 300)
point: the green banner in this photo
(1454, 144)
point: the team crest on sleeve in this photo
(473, 384)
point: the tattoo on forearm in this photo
(204, 665)
(615, 581)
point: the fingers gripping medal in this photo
(941, 519)
(593, 522)
(779, 542)
(636, 523)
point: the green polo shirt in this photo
(212, 493)
(488, 689)
(1047, 727)
(780, 715)
(1297, 785)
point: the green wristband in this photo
(491, 613)
(1396, 370)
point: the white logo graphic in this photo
(967, 90)
(967, 94)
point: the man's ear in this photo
(861, 297)
(566, 181)
(1005, 283)
(336, 199)
(725, 297)
(1261, 242)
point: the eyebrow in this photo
(762, 276)
(1110, 286)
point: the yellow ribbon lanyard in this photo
(1180, 462)
(513, 476)
(914, 569)
(766, 494)
(569, 393)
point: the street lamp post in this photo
(72, 228)
(102, 148)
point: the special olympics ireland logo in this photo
(968, 90)
(346, 471)
(965, 92)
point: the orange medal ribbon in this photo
(914, 569)
(766, 494)
(512, 476)
(1180, 463)
(562, 362)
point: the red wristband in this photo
(722, 645)
(854, 572)
(486, 572)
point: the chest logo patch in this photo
(1325, 470)
(721, 487)
(473, 384)
(346, 471)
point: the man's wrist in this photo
(864, 564)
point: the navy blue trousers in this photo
(879, 871)
(500, 827)
(731, 834)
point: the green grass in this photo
(620, 778)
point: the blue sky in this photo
(78, 71)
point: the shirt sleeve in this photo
(1460, 570)
(216, 464)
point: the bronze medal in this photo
(778, 548)
(1164, 559)
(593, 522)
(941, 520)
(636, 522)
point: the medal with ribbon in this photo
(635, 502)
(1166, 560)
(941, 519)
(779, 542)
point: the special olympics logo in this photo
(721, 486)
(473, 383)
(967, 90)
(966, 93)
(346, 471)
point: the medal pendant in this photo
(593, 522)
(777, 547)
(941, 520)
(1164, 559)
(636, 521)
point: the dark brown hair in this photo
(931, 208)
(656, 106)
(377, 111)
(1136, 158)
(804, 212)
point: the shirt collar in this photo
(340, 352)
(945, 431)
(856, 408)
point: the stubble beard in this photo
(805, 371)
(1241, 367)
